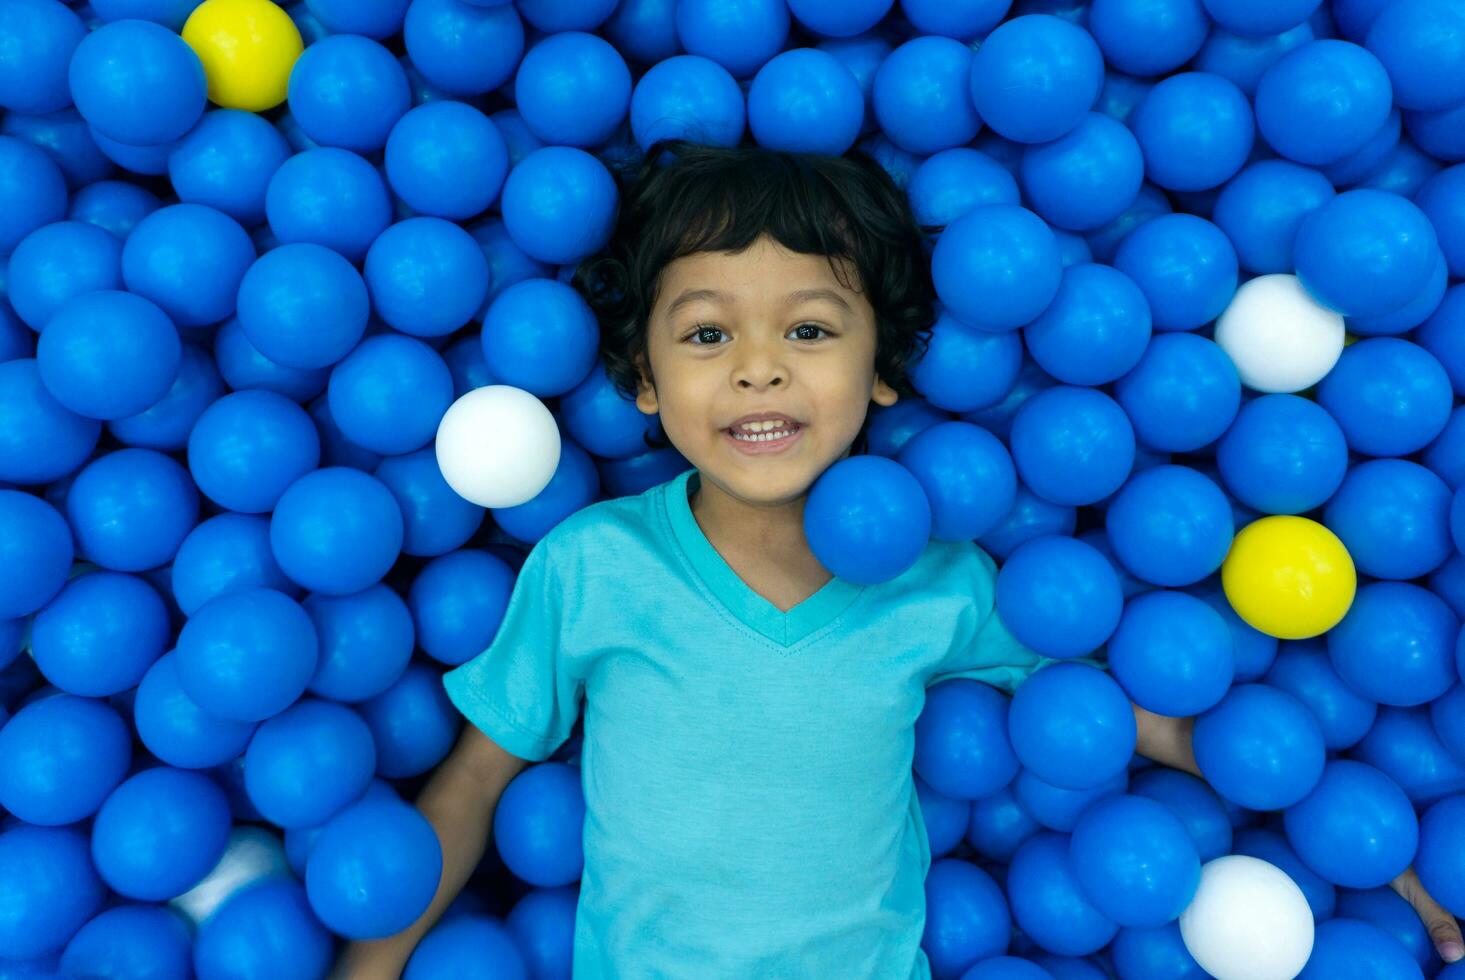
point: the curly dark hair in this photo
(710, 198)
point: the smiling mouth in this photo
(758, 443)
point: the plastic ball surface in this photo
(446, 159)
(336, 530)
(1135, 861)
(147, 937)
(968, 917)
(962, 749)
(160, 832)
(1059, 596)
(1035, 76)
(1072, 725)
(308, 762)
(687, 97)
(968, 477)
(1365, 252)
(922, 99)
(1247, 920)
(1322, 101)
(498, 446)
(189, 260)
(1072, 445)
(100, 634)
(389, 394)
(60, 757)
(1260, 747)
(57, 262)
(53, 887)
(1172, 653)
(1086, 177)
(867, 519)
(303, 305)
(1289, 577)
(1283, 454)
(330, 197)
(473, 947)
(1170, 525)
(1356, 828)
(996, 267)
(264, 929)
(247, 48)
(426, 276)
(1397, 644)
(805, 101)
(1049, 904)
(36, 552)
(41, 37)
(137, 83)
(374, 869)
(348, 91)
(247, 655)
(227, 162)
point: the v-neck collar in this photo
(740, 599)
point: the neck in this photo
(775, 529)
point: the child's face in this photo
(754, 349)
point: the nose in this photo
(760, 363)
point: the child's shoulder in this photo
(608, 527)
(953, 566)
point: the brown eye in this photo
(704, 329)
(813, 327)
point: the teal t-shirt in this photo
(751, 810)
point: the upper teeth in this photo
(763, 426)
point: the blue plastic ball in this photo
(967, 475)
(160, 832)
(1170, 525)
(226, 553)
(1322, 101)
(376, 20)
(959, 20)
(1183, 394)
(227, 161)
(242, 366)
(559, 204)
(52, 886)
(67, 139)
(40, 439)
(1303, 670)
(412, 722)
(247, 655)
(435, 519)
(336, 530)
(1194, 802)
(35, 553)
(967, 918)
(1396, 645)
(1172, 653)
(165, 424)
(113, 205)
(1345, 945)
(1148, 37)
(348, 91)
(365, 643)
(100, 634)
(60, 757)
(108, 354)
(374, 869)
(945, 819)
(1365, 252)
(573, 89)
(538, 825)
(1254, 18)
(599, 417)
(1196, 131)
(1421, 44)
(1393, 517)
(1404, 745)
(1356, 828)
(961, 745)
(1135, 861)
(1260, 747)
(131, 509)
(1389, 396)
(446, 159)
(307, 763)
(248, 447)
(1095, 330)
(964, 368)
(1086, 177)
(389, 394)
(739, 37)
(541, 336)
(1059, 596)
(463, 49)
(57, 262)
(999, 825)
(996, 267)
(687, 97)
(1071, 724)
(427, 277)
(1153, 953)
(950, 183)
(188, 259)
(1438, 861)
(39, 38)
(303, 306)
(138, 83)
(1184, 265)
(1058, 808)
(805, 101)
(574, 484)
(264, 931)
(154, 940)
(867, 519)
(329, 197)
(1442, 198)
(1244, 60)
(176, 730)
(1049, 904)
(1035, 77)
(1072, 445)
(1283, 454)
(1271, 846)
(472, 947)
(922, 97)
(32, 191)
(458, 601)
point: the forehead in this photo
(745, 275)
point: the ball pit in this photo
(293, 372)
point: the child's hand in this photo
(1442, 927)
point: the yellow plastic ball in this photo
(247, 48)
(1289, 577)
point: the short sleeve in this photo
(522, 691)
(982, 648)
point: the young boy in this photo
(748, 718)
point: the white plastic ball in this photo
(498, 446)
(1247, 921)
(1281, 339)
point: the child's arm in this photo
(1168, 741)
(459, 801)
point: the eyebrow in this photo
(793, 298)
